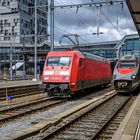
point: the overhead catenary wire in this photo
(129, 25)
(109, 20)
(105, 15)
(117, 16)
(81, 19)
(58, 2)
(58, 28)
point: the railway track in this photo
(20, 91)
(87, 123)
(14, 110)
(27, 108)
(113, 125)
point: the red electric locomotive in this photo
(70, 71)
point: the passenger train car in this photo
(67, 72)
(126, 76)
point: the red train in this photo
(67, 72)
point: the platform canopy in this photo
(134, 8)
(17, 65)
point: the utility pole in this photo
(52, 24)
(14, 54)
(98, 18)
(0, 66)
(24, 62)
(11, 57)
(98, 21)
(35, 55)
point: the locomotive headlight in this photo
(46, 78)
(133, 77)
(66, 78)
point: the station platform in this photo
(18, 83)
(130, 126)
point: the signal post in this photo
(5, 80)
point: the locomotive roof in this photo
(82, 54)
(94, 57)
(64, 52)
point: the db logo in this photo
(56, 72)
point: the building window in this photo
(22, 32)
(21, 21)
(1, 31)
(6, 32)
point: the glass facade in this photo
(105, 50)
(16, 56)
(131, 46)
(105, 53)
(6, 51)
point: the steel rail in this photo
(67, 124)
(72, 121)
(111, 117)
(20, 91)
(31, 109)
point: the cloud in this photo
(115, 21)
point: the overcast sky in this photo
(114, 22)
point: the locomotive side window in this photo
(127, 64)
(80, 63)
(58, 61)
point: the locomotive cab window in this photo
(65, 61)
(127, 64)
(58, 61)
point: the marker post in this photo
(5, 80)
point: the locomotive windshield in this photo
(127, 64)
(59, 61)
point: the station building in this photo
(17, 28)
(129, 44)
